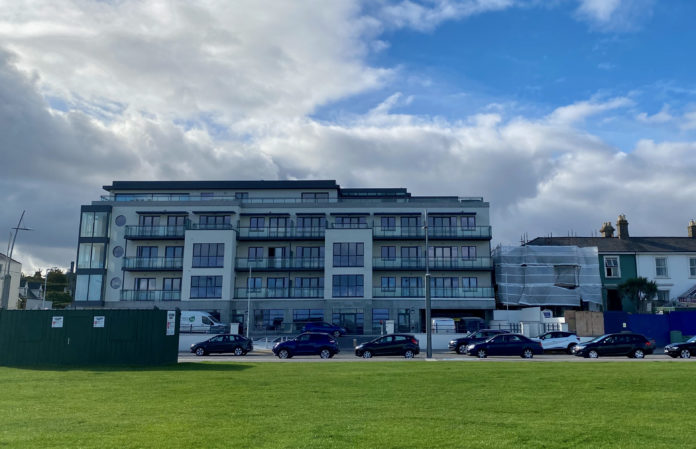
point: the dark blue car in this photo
(309, 343)
(506, 344)
(326, 328)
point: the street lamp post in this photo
(7, 280)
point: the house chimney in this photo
(692, 229)
(607, 229)
(622, 225)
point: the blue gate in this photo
(656, 327)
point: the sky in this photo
(562, 114)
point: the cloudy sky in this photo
(561, 113)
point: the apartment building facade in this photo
(285, 252)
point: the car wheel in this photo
(685, 354)
(325, 353)
(409, 354)
(367, 354)
(283, 354)
(461, 349)
(569, 350)
(638, 354)
(200, 352)
(593, 354)
(238, 351)
(481, 353)
(527, 353)
(336, 334)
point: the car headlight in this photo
(470, 346)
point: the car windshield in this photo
(598, 338)
(692, 339)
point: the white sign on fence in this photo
(57, 321)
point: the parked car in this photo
(391, 344)
(236, 344)
(308, 343)
(459, 344)
(506, 344)
(683, 349)
(327, 328)
(558, 340)
(623, 344)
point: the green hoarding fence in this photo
(88, 337)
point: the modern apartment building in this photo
(287, 251)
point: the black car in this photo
(459, 345)
(236, 344)
(308, 343)
(506, 344)
(324, 327)
(683, 349)
(391, 344)
(622, 344)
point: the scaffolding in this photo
(547, 275)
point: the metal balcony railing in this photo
(411, 232)
(150, 295)
(435, 292)
(284, 263)
(155, 232)
(435, 263)
(152, 263)
(287, 232)
(210, 227)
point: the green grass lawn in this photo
(413, 404)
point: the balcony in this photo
(283, 263)
(435, 263)
(150, 295)
(153, 263)
(419, 292)
(281, 233)
(210, 227)
(284, 293)
(159, 197)
(155, 232)
(417, 232)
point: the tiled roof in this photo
(625, 245)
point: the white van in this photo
(443, 326)
(194, 321)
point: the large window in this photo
(255, 253)
(388, 284)
(88, 287)
(469, 221)
(269, 319)
(412, 286)
(469, 282)
(302, 316)
(663, 295)
(277, 287)
(309, 252)
(468, 252)
(311, 222)
(94, 224)
(174, 252)
(176, 220)
(661, 267)
(214, 221)
(171, 287)
(441, 222)
(379, 318)
(257, 223)
(348, 285)
(208, 255)
(350, 222)
(611, 267)
(147, 252)
(142, 284)
(348, 254)
(312, 197)
(388, 223)
(389, 252)
(206, 287)
(149, 220)
(442, 252)
(91, 255)
(692, 266)
(254, 283)
(444, 286)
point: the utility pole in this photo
(7, 280)
(428, 324)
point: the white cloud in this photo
(663, 116)
(581, 110)
(424, 17)
(615, 15)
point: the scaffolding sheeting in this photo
(547, 275)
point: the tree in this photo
(639, 291)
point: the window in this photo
(411, 222)
(661, 267)
(379, 317)
(388, 223)
(350, 222)
(206, 286)
(207, 195)
(254, 283)
(176, 220)
(444, 286)
(214, 221)
(410, 256)
(91, 255)
(389, 252)
(257, 223)
(468, 252)
(566, 276)
(241, 195)
(412, 286)
(442, 252)
(313, 197)
(305, 315)
(311, 222)
(171, 284)
(308, 287)
(468, 222)
(663, 295)
(142, 284)
(255, 253)
(469, 282)
(315, 282)
(611, 267)
(348, 285)
(147, 252)
(208, 255)
(174, 252)
(88, 287)
(348, 254)
(692, 266)
(277, 223)
(277, 287)
(94, 224)
(388, 284)
(309, 252)
(441, 222)
(149, 220)
(268, 319)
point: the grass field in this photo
(352, 405)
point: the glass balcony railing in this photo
(300, 263)
(155, 232)
(288, 232)
(434, 263)
(403, 232)
(120, 197)
(210, 227)
(435, 292)
(270, 293)
(150, 295)
(152, 263)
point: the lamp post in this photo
(7, 280)
(428, 326)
